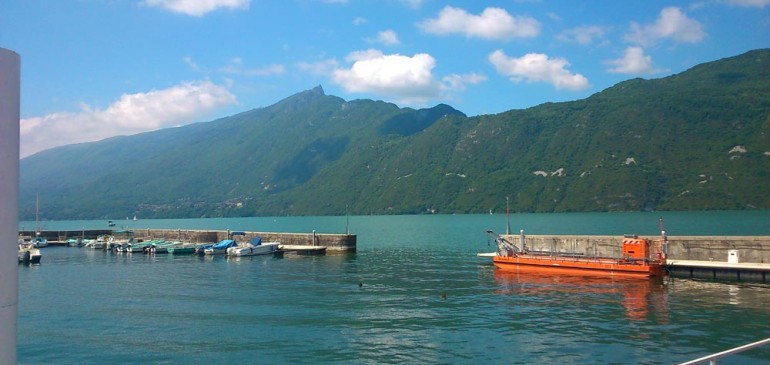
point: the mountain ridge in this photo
(660, 144)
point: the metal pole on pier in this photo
(10, 70)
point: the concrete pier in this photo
(741, 258)
(751, 249)
(334, 243)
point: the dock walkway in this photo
(719, 270)
(303, 249)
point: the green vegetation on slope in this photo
(692, 141)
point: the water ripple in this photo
(382, 305)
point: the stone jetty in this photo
(334, 243)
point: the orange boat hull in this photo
(570, 265)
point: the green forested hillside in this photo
(696, 140)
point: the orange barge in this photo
(640, 257)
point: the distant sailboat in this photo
(38, 241)
(37, 212)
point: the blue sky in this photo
(92, 69)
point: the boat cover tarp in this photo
(223, 244)
(256, 241)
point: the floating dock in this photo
(303, 250)
(717, 270)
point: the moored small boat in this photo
(201, 248)
(253, 248)
(220, 248)
(181, 249)
(640, 257)
(119, 240)
(159, 246)
(135, 247)
(40, 242)
(28, 253)
(75, 242)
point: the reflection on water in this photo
(745, 295)
(638, 296)
(734, 291)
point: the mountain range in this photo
(697, 140)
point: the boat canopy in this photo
(223, 244)
(256, 241)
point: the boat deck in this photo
(714, 270)
(579, 265)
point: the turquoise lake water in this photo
(413, 293)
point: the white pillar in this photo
(10, 70)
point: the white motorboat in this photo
(28, 253)
(253, 248)
(40, 242)
(220, 248)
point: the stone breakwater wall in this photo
(333, 242)
(749, 249)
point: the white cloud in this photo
(359, 20)
(553, 16)
(582, 35)
(414, 4)
(634, 61)
(457, 82)
(406, 79)
(493, 23)
(321, 68)
(750, 3)
(190, 62)
(131, 114)
(672, 23)
(235, 67)
(388, 37)
(197, 7)
(538, 67)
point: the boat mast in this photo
(664, 239)
(662, 232)
(507, 217)
(37, 210)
